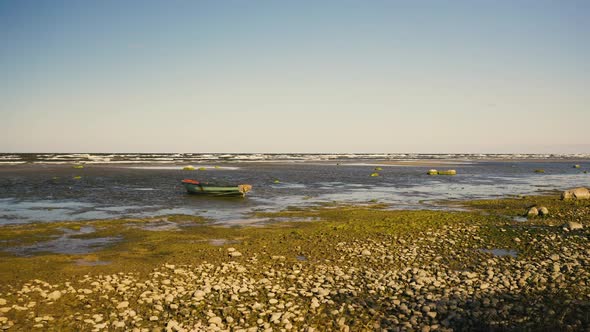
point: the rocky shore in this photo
(354, 269)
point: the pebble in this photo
(123, 305)
(572, 225)
(53, 296)
(216, 320)
(395, 284)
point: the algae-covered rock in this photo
(448, 172)
(78, 166)
(539, 171)
(188, 168)
(432, 172)
(374, 174)
(202, 168)
(378, 168)
(576, 166)
(576, 193)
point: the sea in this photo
(47, 187)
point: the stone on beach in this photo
(387, 280)
(55, 295)
(532, 212)
(572, 226)
(123, 305)
(576, 193)
(543, 211)
(232, 252)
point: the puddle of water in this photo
(123, 208)
(288, 186)
(156, 226)
(83, 262)
(221, 242)
(501, 252)
(301, 258)
(520, 219)
(67, 244)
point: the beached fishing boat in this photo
(204, 188)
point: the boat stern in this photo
(244, 188)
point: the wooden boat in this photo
(203, 188)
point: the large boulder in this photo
(576, 193)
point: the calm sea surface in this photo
(45, 187)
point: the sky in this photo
(295, 76)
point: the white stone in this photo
(215, 320)
(123, 305)
(55, 295)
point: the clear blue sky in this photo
(294, 76)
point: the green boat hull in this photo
(212, 190)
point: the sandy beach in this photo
(331, 268)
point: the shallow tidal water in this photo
(48, 192)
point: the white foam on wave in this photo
(207, 167)
(176, 158)
(12, 162)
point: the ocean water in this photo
(45, 187)
(172, 158)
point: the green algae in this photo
(190, 241)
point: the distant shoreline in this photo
(398, 159)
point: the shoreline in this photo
(352, 267)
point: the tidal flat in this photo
(327, 268)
